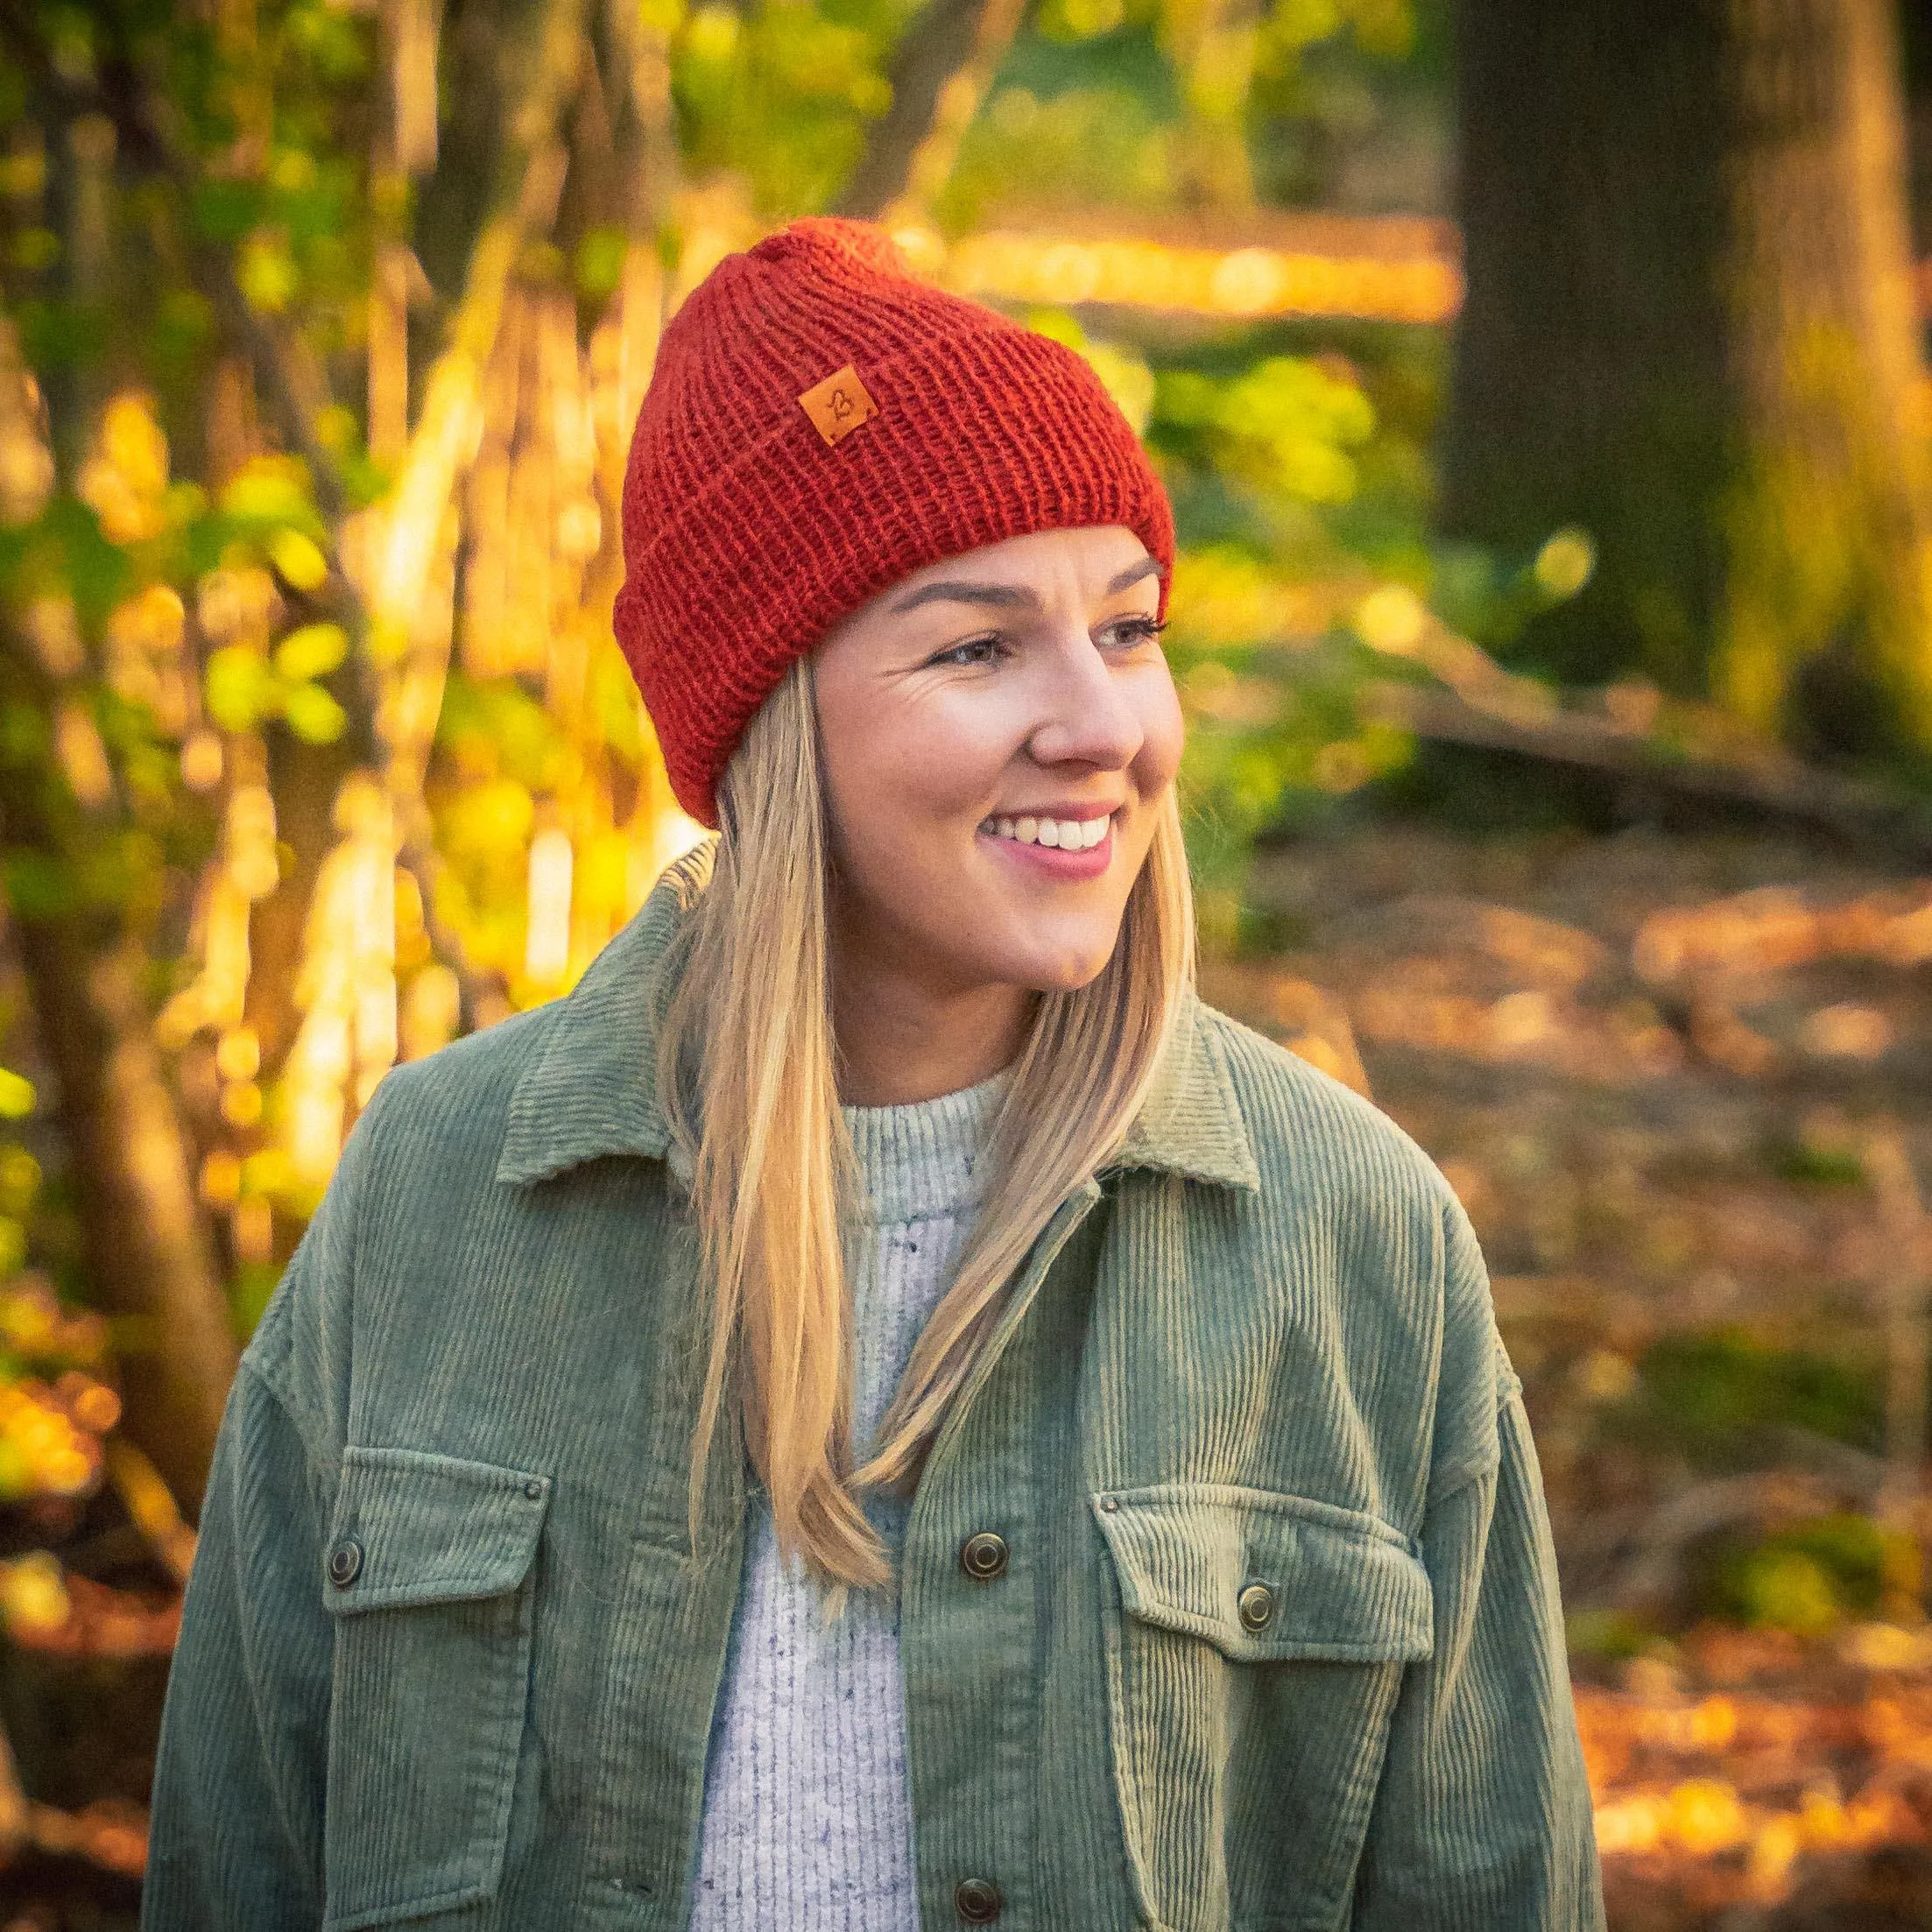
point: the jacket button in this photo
(345, 1564)
(978, 1901)
(1256, 1606)
(984, 1557)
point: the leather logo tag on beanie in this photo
(838, 404)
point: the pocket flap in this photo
(415, 1528)
(1340, 1585)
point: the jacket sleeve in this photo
(236, 1829)
(235, 1836)
(1483, 1821)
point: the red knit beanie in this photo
(821, 425)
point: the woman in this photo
(880, 1410)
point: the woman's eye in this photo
(1124, 633)
(987, 649)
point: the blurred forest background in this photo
(1543, 393)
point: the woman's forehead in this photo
(1098, 561)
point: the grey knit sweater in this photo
(808, 1819)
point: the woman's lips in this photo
(1054, 862)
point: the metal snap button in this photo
(984, 1557)
(534, 1490)
(345, 1564)
(1256, 1606)
(978, 1901)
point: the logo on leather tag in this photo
(838, 404)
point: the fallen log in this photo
(1854, 810)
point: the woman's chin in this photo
(1062, 970)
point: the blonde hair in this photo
(747, 1073)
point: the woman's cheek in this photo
(1165, 737)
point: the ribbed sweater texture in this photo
(808, 1818)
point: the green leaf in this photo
(314, 715)
(272, 492)
(313, 652)
(19, 1171)
(299, 559)
(38, 887)
(62, 334)
(225, 210)
(241, 688)
(97, 571)
(26, 736)
(33, 250)
(600, 263)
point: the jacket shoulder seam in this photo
(262, 1376)
(1293, 1074)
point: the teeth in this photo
(1067, 835)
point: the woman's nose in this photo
(1086, 715)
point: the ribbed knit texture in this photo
(746, 536)
(808, 1819)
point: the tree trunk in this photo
(1915, 25)
(149, 1260)
(1212, 45)
(149, 1263)
(145, 1244)
(1689, 327)
(941, 69)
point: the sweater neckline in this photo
(924, 1158)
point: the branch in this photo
(151, 1507)
(1902, 1218)
(941, 68)
(1652, 1573)
(1862, 814)
(16, 1809)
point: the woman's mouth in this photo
(1054, 848)
(1068, 835)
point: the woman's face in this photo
(1000, 731)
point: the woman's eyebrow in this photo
(1010, 596)
(1148, 567)
(1007, 596)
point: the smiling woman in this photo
(998, 730)
(880, 1410)
(919, 953)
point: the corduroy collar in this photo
(591, 1090)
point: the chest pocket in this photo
(429, 1576)
(1255, 1646)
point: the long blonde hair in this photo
(748, 1080)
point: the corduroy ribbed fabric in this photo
(1258, 1348)
(747, 536)
(807, 1811)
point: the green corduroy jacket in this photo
(449, 1658)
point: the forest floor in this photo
(1680, 1083)
(1683, 1084)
